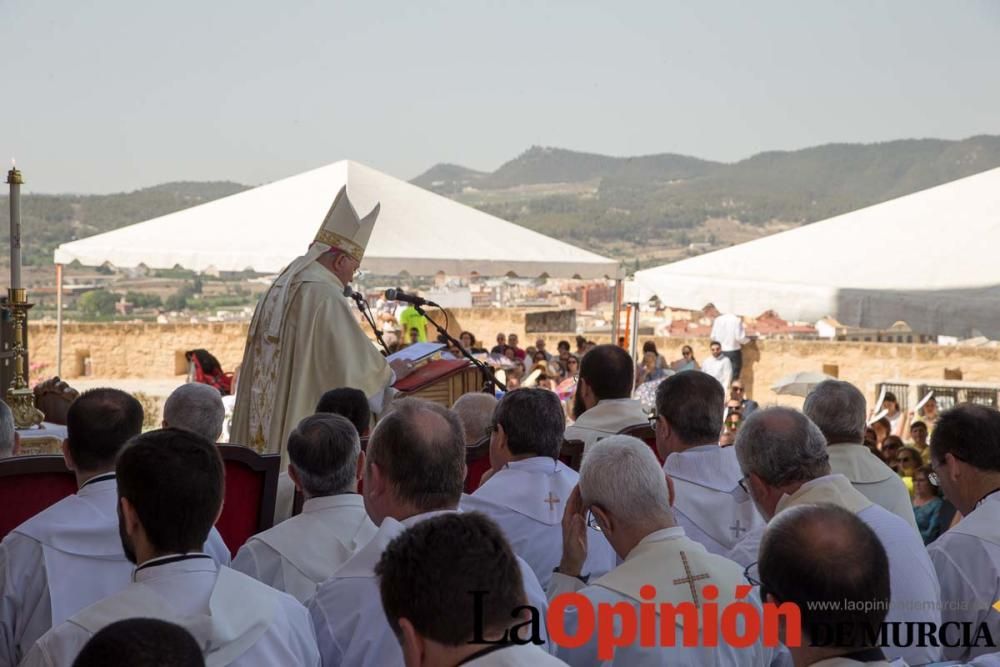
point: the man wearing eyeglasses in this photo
(965, 456)
(783, 457)
(623, 492)
(738, 394)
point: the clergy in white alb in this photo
(965, 454)
(624, 492)
(709, 503)
(304, 338)
(414, 470)
(325, 460)
(528, 486)
(718, 366)
(450, 555)
(70, 555)
(802, 563)
(838, 409)
(783, 456)
(170, 484)
(603, 403)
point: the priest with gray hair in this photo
(838, 409)
(197, 408)
(623, 492)
(325, 463)
(784, 460)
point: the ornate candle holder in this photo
(20, 398)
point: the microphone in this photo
(357, 296)
(396, 294)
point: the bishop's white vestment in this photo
(709, 503)
(527, 499)
(235, 620)
(967, 561)
(347, 615)
(319, 346)
(63, 559)
(299, 554)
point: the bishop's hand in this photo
(574, 530)
(401, 367)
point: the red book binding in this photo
(430, 372)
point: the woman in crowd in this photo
(892, 412)
(927, 504)
(929, 414)
(652, 366)
(889, 449)
(883, 429)
(908, 459)
(872, 445)
(469, 342)
(687, 362)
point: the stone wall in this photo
(121, 350)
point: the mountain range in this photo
(645, 209)
(669, 199)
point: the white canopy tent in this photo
(263, 229)
(928, 259)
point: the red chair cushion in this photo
(474, 472)
(241, 510)
(24, 496)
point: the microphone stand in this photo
(490, 380)
(365, 309)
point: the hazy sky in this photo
(114, 95)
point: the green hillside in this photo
(669, 197)
(48, 220)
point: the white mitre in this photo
(342, 230)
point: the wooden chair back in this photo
(571, 453)
(646, 433)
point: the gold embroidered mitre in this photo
(343, 229)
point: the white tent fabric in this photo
(929, 259)
(265, 228)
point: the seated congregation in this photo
(580, 545)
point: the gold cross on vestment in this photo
(551, 500)
(690, 579)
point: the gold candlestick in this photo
(20, 398)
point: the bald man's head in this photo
(420, 449)
(802, 561)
